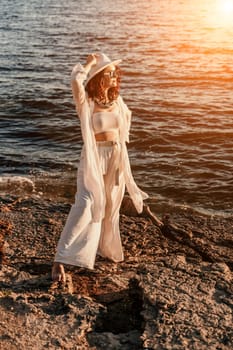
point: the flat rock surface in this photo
(172, 291)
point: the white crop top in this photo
(105, 121)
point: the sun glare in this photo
(226, 6)
(222, 13)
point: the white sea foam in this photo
(16, 184)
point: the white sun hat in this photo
(103, 61)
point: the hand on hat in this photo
(91, 59)
(90, 62)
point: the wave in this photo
(16, 185)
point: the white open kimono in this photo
(91, 227)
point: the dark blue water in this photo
(177, 80)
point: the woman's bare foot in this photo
(58, 273)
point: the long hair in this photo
(95, 89)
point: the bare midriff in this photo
(107, 136)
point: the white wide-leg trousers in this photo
(81, 238)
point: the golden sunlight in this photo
(226, 6)
(221, 14)
(225, 10)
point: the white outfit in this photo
(92, 225)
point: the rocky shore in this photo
(173, 290)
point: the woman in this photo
(92, 226)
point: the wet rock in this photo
(172, 291)
(187, 306)
(41, 320)
(110, 341)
